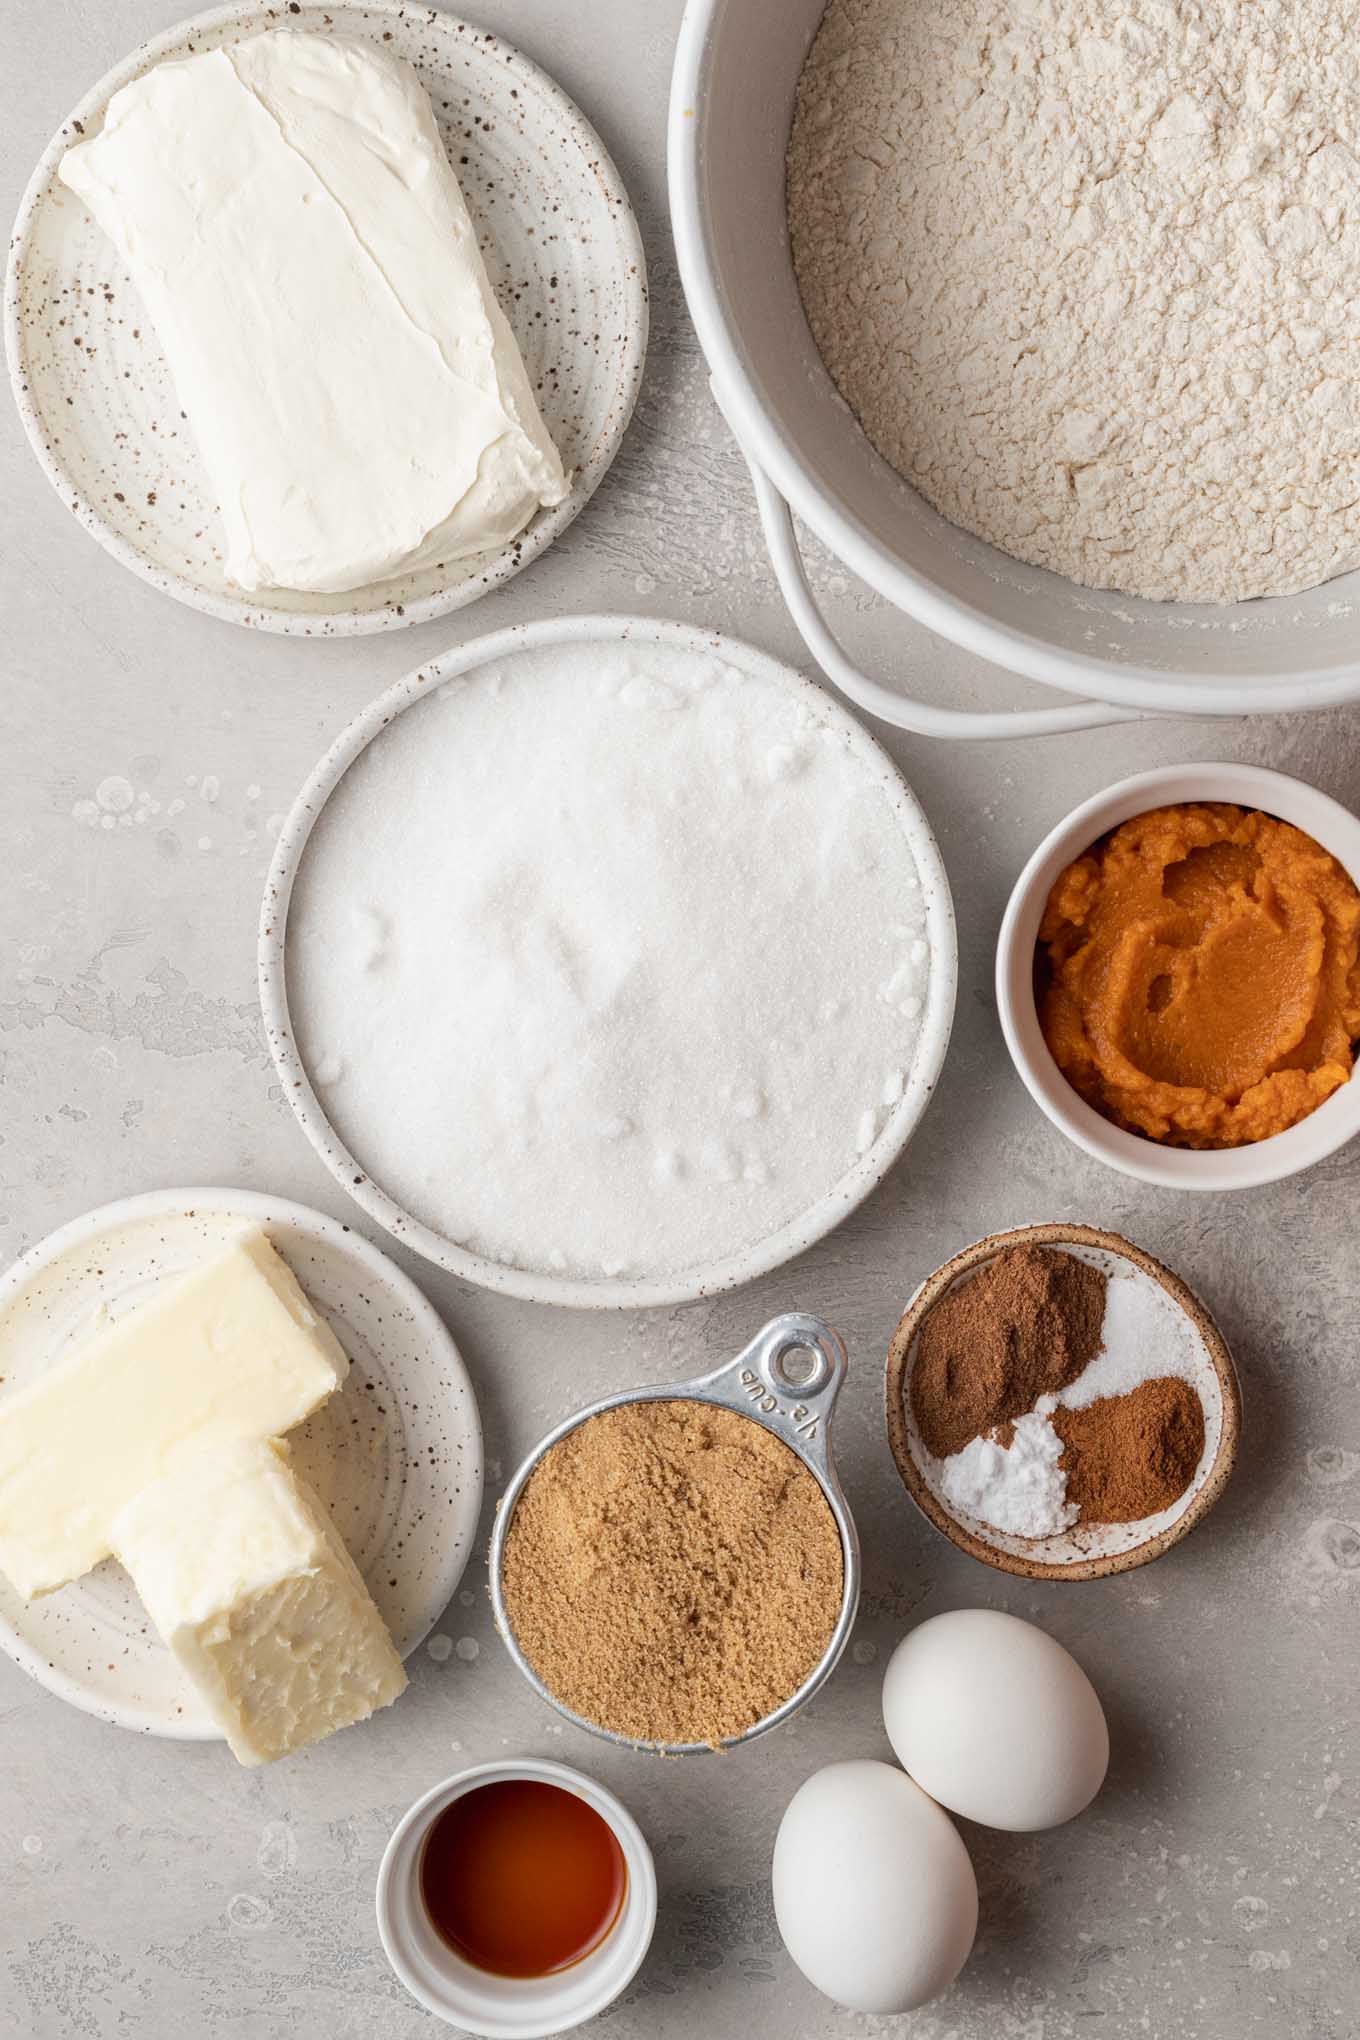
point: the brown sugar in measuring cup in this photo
(736, 1462)
(673, 1571)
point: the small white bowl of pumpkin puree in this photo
(1178, 976)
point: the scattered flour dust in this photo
(1088, 271)
(610, 960)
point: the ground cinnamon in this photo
(672, 1571)
(1130, 1456)
(1024, 1326)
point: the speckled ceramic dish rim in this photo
(543, 527)
(536, 1286)
(929, 1293)
(263, 1210)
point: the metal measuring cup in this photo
(757, 1385)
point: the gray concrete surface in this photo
(155, 1890)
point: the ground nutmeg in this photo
(1025, 1325)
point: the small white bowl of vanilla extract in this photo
(516, 1899)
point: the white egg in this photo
(995, 1720)
(873, 1890)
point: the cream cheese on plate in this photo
(287, 213)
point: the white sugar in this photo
(1145, 1335)
(610, 958)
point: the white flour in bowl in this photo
(1088, 272)
(609, 960)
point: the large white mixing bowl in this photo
(732, 94)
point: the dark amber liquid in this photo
(522, 1878)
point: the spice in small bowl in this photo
(1060, 1404)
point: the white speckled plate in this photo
(396, 1455)
(560, 241)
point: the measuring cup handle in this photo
(757, 1384)
(798, 1331)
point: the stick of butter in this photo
(288, 214)
(248, 1582)
(230, 1350)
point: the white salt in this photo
(596, 939)
(1019, 1487)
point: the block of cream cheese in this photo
(288, 214)
(231, 1349)
(251, 1587)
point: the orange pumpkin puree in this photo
(1198, 975)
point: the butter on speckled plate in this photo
(395, 1456)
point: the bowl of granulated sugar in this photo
(607, 962)
(1060, 1404)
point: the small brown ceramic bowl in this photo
(1089, 1551)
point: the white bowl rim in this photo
(1299, 1147)
(637, 1856)
(258, 614)
(533, 1285)
(1128, 685)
